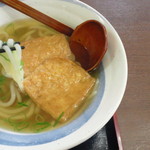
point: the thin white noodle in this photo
(26, 115)
(4, 115)
(40, 28)
(39, 118)
(25, 36)
(41, 33)
(28, 38)
(12, 99)
(31, 111)
(5, 35)
(20, 26)
(37, 109)
(14, 110)
(18, 95)
(37, 27)
(43, 29)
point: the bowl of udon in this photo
(47, 100)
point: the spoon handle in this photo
(22, 7)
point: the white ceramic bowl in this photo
(113, 78)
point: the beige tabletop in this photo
(131, 19)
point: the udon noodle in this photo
(17, 111)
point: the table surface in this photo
(131, 19)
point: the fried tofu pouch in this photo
(39, 49)
(58, 86)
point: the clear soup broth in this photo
(24, 115)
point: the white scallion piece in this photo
(12, 63)
(10, 43)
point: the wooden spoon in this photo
(88, 41)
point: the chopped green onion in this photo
(58, 119)
(21, 65)
(26, 97)
(2, 79)
(22, 104)
(18, 126)
(38, 127)
(42, 123)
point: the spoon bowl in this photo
(88, 41)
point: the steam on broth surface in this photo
(17, 111)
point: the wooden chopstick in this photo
(39, 16)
